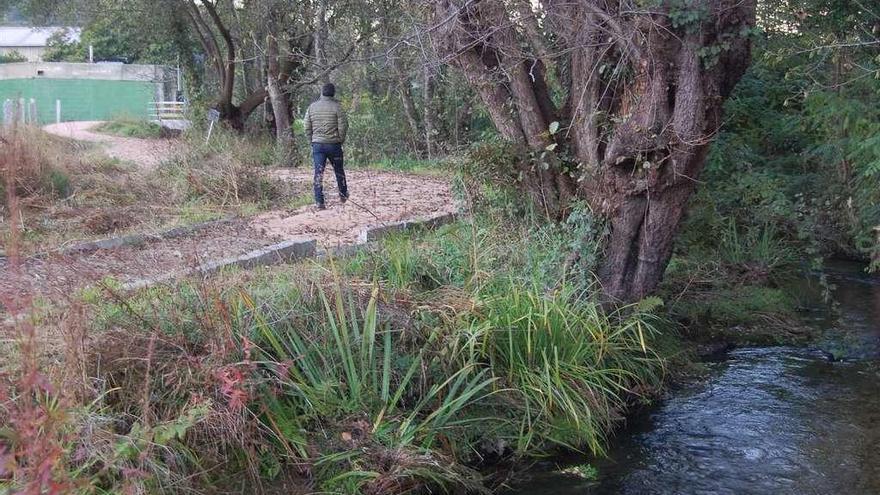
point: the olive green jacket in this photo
(325, 122)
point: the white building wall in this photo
(32, 53)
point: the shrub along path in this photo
(377, 198)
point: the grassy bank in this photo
(130, 127)
(415, 364)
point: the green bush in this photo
(12, 57)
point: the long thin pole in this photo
(210, 130)
(57, 111)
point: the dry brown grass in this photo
(69, 191)
(35, 165)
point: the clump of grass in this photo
(758, 252)
(733, 299)
(743, 305)
(32, 165)
(228, 171)
(350, 375)
(572, 365)
(131, 127)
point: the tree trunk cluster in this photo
(617, 100)
(294, 54)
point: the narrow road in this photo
(148, 153)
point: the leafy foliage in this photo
(12, 57)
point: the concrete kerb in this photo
(283, 252)
(296, 249)
(129, 240)
(138, 239)
(376, 233)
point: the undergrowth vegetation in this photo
(32, 164)
(229, 170)
(411, 365)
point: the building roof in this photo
(34, 36)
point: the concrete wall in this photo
(82, 99)
(99, 91)
(65, 70)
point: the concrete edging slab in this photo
(137, 239)
(434, 221)
(282, 252)
(295, 249)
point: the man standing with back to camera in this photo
(326, 126)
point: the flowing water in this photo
(767, 421)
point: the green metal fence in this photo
(82, 99)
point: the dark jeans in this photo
(320, 154)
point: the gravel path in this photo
(148, 153)
(377, 198)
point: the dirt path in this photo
(377, 198)
(148, 153)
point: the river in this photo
(776, 420)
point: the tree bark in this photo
(412, 115)
(280, 100)
(429, 112)
(463, 120)
(321, 36)
(642, 100)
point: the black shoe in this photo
(343, 199)
(320, 206)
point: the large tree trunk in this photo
(322, 33)
(412, 115)
(642, 102)
(430, 112)
(211, 29)
(280, 100)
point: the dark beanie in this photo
(328, 90)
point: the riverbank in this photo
(780, 419)
(433, 359)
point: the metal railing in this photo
(168, 110)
